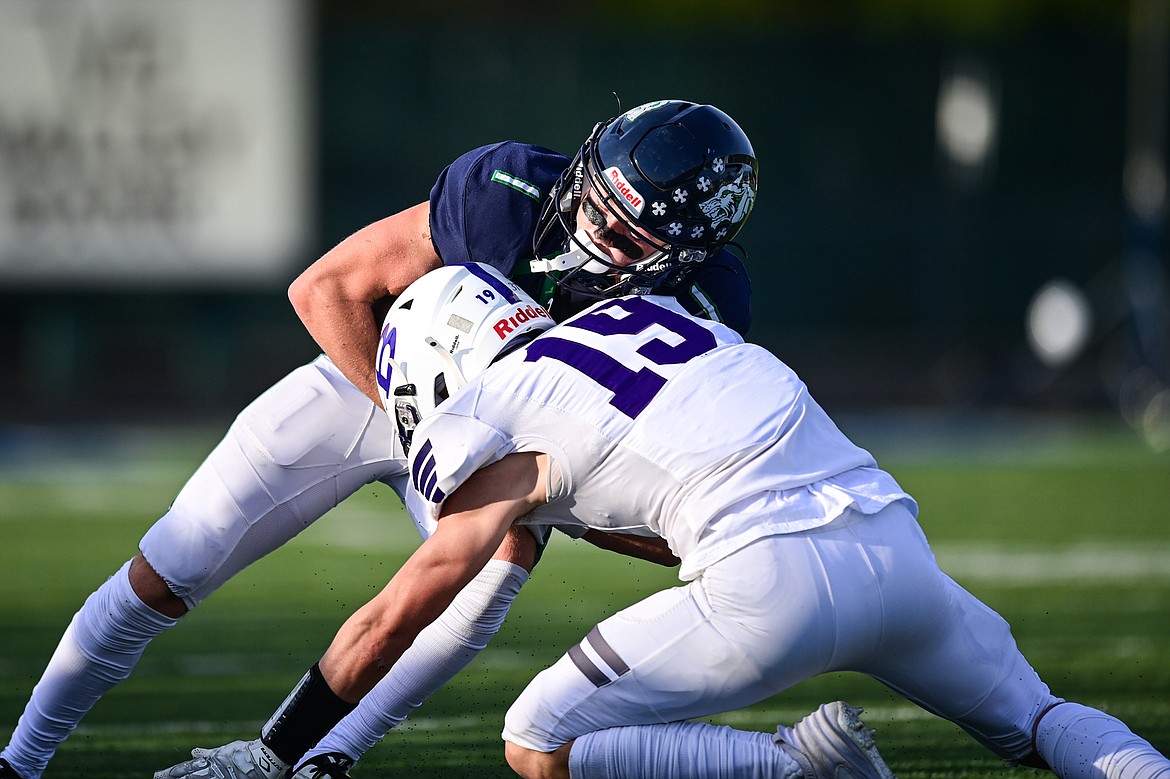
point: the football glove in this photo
(237, 760)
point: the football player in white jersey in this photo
(800, 556)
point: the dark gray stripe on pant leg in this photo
(586, 666)
(606, 653)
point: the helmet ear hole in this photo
(441, 392)
(405, 415)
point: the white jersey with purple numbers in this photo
(655, 422)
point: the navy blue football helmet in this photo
(681, 176)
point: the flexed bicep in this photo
(337, 297)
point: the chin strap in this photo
(446, 357)
(580, 254)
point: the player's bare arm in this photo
(336, 296)
(473, 523)
(650, 548)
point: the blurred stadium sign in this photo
(162, 142)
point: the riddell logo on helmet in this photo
(623, 187)
(519, 317)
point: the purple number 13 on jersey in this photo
(632, 389)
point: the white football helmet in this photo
(444, 329)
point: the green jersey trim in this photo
(518, 184)
(707, 307)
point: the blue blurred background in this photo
(961, 203)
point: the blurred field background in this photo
(961, 204)
(959, 244)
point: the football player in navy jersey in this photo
(651, 202)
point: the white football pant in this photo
(863, 593)
(298, 450)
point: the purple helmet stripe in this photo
(507, 292)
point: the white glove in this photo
(237, 760)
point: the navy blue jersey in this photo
(485, 206)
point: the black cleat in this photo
(7, 771)
(331, 765)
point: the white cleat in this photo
(833, 743)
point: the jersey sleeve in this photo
(719, 290)
(485, 205)
(446, 450)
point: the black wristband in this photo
(307, 714)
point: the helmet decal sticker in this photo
(516, 183)
(637, 111)
(730, 204)
(386, 348)
(508, 323)
(622, 186)
(460, 323)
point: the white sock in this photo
(1079, 742)
(100, 648)
(680, 750)
(441, 650)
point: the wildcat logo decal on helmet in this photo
(637, 111)
(732, 203)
